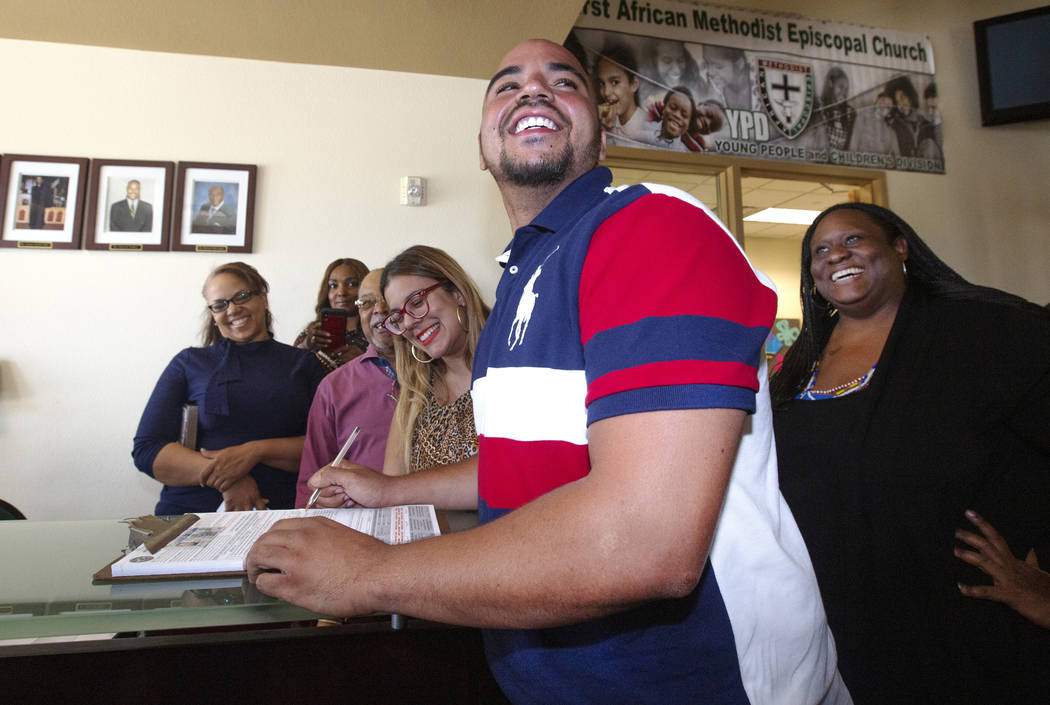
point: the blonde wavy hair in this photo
(414, 377)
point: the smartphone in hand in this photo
(333, 320)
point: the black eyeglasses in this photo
(416, 306)
(240, 298)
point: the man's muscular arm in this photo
(637, 528)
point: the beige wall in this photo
(84, 335)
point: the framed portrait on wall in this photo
(129, 205)
(41, 201)
(214, 207)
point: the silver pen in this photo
(338, 458)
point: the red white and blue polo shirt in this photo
(620, 301)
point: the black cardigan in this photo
(957, 416)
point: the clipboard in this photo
(105, 574)
(159, 533)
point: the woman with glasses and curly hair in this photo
(251, 396)
(338, 291)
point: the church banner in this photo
(703, 78)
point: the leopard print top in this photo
(443, 434)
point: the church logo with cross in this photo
(787, 94)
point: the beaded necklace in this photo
(854, 385)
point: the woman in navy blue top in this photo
(253, 396)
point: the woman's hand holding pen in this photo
(348, 485)
(228, 465)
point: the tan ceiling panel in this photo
(815, 201)
(793, 185)
(751, 183)
(706, 194)
(768, 198)
(780, 231)
(753, 228)
(786, 231)
(463, 38)
(630, 176)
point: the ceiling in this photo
(463, 38)
(784, 193)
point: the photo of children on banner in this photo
(834, 112)
(872, 133)
(681, 123)
(667, 64)
(916, 135)
(728, 73)
(893, 124)
(616, 71)
(674, 121)
(665, 93)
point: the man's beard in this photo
(546, 172)
(549, 171)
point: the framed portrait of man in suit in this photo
(41, 201)
(214, 207)
(129, 205)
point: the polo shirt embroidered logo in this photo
(526, 304)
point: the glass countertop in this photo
(46, 588)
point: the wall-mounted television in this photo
(1013, 66)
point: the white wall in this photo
(84, 334)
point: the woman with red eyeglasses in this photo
(436, 315)
(243, 397)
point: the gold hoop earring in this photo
(458, 318)
(422, 362)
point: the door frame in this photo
(731, 170)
